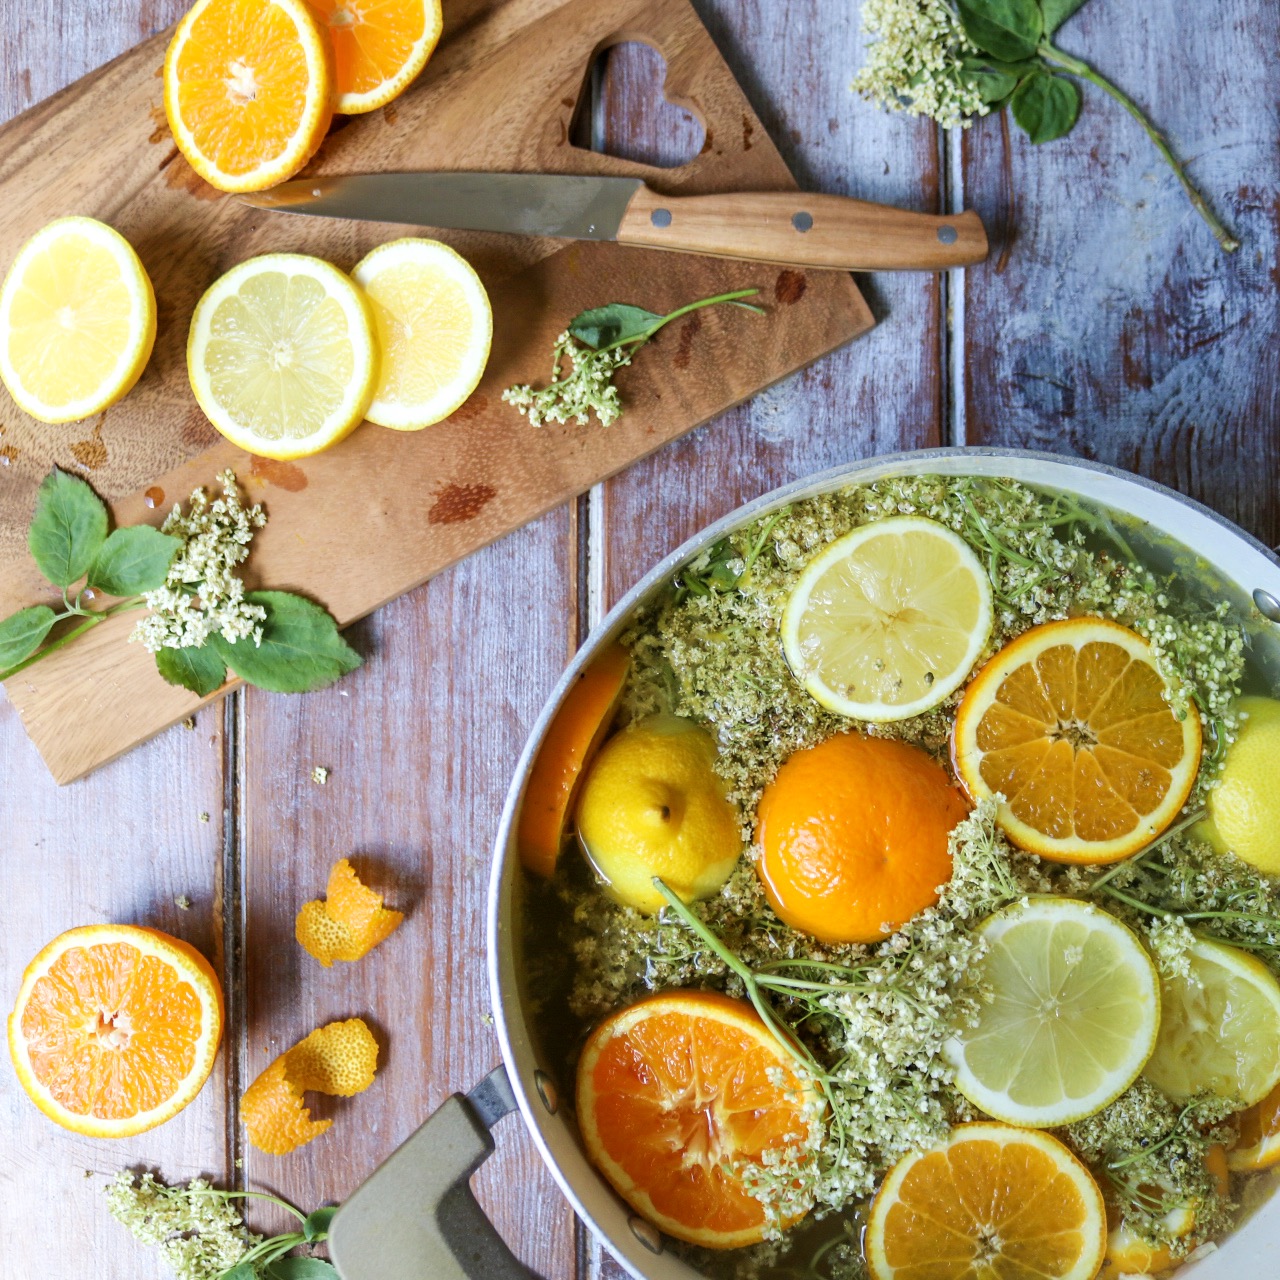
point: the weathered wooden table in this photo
(1106, 324)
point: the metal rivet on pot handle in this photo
(1266, 604)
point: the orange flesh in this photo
(372, 39)
(111, 1032)
(243, 80)
(1261, 1122)
(954, 1204)
(576, 733)
(854, 836)
(678, 1097)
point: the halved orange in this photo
(248, 90)
(1072, 725)
(675, 1093)
(572, 739)
(379, 46)
(991, 1200)
(115, 1028)
(1258, 1146)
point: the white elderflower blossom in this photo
(589, 387)
(915, 62)
(202, 594)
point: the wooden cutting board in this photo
(383, 511)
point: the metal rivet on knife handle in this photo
(1267, 605)
(802, 221)
(660, 217)
(948, 234)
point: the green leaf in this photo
(1046, 106)
(22, 632)
(316, 1227)
(133, 560)
(1056, 12)
(69, 526)
(300, 1269)
(244, 1271)
(617, 322)
(301, 649)
(996, 80)
(1008, 29)
(197, 669)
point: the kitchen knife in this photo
(790, 228)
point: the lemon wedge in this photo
(77, 320)
(1073, 1018)
(434, 328)
(1221, 1028)
(281, 355)
(888, 621)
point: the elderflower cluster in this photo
(586, 389)
(202, 593)
(199, 1231)
(915, 62)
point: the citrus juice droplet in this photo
(153, 496)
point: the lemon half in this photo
(1221, 1028)
(888, 620)
(281, 355)
(1073, 1018)
(77, 320)
(434, 328)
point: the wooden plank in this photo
(882, 393)
(482, 473)
(1118, 330)
(122, 846)
(420, 744)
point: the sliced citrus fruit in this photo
(572, 739)
(379, 46)
(1258, 1146)
(1073, 1015)
(990, 1201)
(339, 1059)
(349, 923)
(1220, 1028)
(248, 90)
(854, 837)
(77, 320)
(677, 1092)
(281, 355)
(887, 621)
(434, 329)
(115, 1028)
(1071, 725)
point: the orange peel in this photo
(338, 1059)
(348, 923)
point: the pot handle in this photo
(415, 1217)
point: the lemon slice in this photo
(77, 320)
(1073, 1018)
(888, 620)
(1221, 1028)
(281, 355)
(434, 328)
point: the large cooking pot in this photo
(416, 1219)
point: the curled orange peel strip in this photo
(347, 924)
(338, 1059)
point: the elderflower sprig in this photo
(955, 60)
(201, 620)
(597, 344)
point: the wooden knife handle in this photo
(800, 229)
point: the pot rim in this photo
(1104, 484)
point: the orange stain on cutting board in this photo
(458, 502)
(284, 475)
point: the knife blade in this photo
(788, 228)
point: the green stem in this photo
(1177, 829)
(90, 621)
(640, 339)
(247, 1195)
(1082, 69)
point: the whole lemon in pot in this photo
(1244, 809)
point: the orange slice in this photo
(337, 1059)
(990, 1201)
(572, 739)
(379, 46)
(248, 90)
(673, 1093)
(115, 1028)
(1071, 724)
(348, 923)
(1258, 1146)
